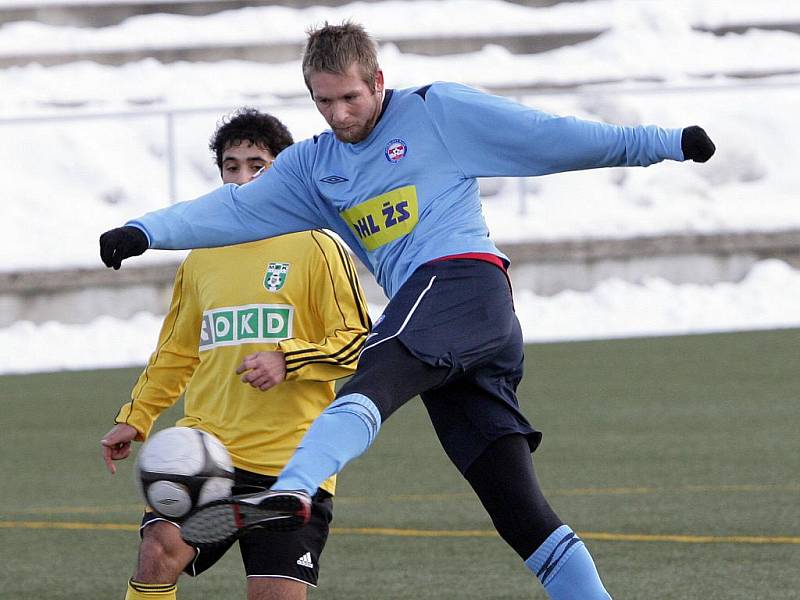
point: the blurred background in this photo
(107, 106)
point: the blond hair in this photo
(333, 48)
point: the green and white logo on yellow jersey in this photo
(250, 324)
(275, 276)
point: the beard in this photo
(358, 132)
(352, 134)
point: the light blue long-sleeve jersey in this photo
(407, 194)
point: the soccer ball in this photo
(179, 468)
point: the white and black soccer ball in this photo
(180, 468)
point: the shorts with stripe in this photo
(450, 334)
(291, 554)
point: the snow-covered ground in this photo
(65, 181)
(393, 19)
(768, 298)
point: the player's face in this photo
(348, 104)
(242, 159)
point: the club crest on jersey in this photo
(395, 150)
(275, 276)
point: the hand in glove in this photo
(696, 144)
(123, 242)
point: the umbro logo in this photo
(305, 561)
(333, 179)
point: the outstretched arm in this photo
(278, 202)
(494, 136)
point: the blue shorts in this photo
(450, 334)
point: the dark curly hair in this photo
(248, 124)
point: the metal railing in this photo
(171, 114)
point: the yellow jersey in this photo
(297, 293)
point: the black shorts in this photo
(450, 334)
(290, 554)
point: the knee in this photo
(162, 555)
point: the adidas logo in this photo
(305, 561)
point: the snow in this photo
(85, 148)
(392, 19)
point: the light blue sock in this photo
(566, 569)
(342, 432)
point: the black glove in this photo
(123, 242)
(696, 144)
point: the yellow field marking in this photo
(683, 488)
(391, 532)
(67, 510)
(692, 539)
(589, 491)
(600, 536)
(449, 533)
(444, 496)
(68, 525)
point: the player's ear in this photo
(378, 81)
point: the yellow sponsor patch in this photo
(384, 218)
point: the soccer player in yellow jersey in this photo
(256, 335)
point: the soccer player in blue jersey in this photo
(395, 177)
